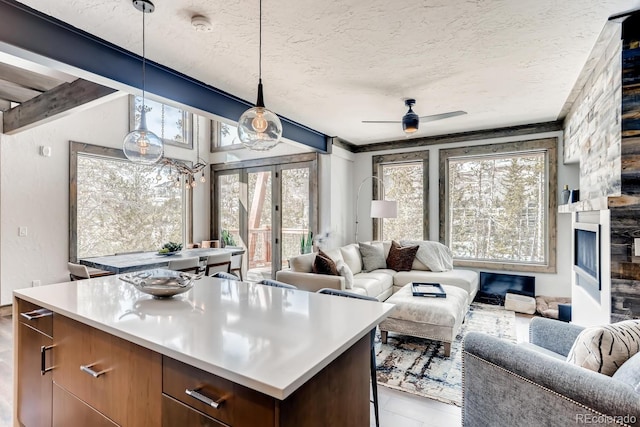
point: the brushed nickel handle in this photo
(43, 368)
(37, 314)
(88, 370)
(204, 399)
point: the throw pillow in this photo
(323, 264)
(605, 348)
(401, 258)
(372, 256)
(434, 255)
(345, 271)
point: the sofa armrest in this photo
(507, 384)
(311, 282)
(553, 334)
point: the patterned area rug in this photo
(417, 365)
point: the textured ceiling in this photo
(331, 64)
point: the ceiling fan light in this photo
(410, 122)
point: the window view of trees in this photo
(169, 123)
(124, 207)
(295, 211)
(229, 205)
(228, 135)
(403, 182)
(497, 207)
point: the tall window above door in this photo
(406, 180)
(172, 124)
(498, 206)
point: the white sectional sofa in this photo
(380, 283)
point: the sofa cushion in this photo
(351, 256)
(401, 258)
(345, 271)
(605, 348)
(334, 254)
(372, 256)
(302, 263)
(433, 255)
(323, 264)
(371, 285)
(629, 373)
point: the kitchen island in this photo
(224, 353)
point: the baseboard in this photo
(6, 310)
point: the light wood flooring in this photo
(397, 409)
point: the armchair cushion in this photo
(605, 348)
(629, 373)
(372, 256)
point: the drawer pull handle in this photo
(204, 399)
(37, 314)
(43, 368)
(88, 370)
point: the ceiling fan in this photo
(411, 121)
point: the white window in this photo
(497, 205)
(171, 124)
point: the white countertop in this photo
(269, 339)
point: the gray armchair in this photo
(506, 384)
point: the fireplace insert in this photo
(494, 287)
(586, 257)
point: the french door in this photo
(267, 210)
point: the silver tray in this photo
(161, 283)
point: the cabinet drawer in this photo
(35, 316)
(119, 379)
(237, 405)
(70, 411)
(176, 413)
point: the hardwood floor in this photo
(6, 371)
(397, 409)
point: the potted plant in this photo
(306, 243)
(227, 239)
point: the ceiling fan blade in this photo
(381, 121)
(435, 117)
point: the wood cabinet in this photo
(33, 355)
(117, 378)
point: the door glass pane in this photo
(295, 212)
(259, 227)
(404, 183)
(229, 206)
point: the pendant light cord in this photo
(260, 46)
(143, 54)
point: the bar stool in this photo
(276, 284)
(218, 262)
(188, 265)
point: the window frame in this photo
(215, 137)
(549, 147)
(188, 124)
(378, 162)
(80, 148)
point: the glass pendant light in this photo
(141, 145)
(258, 128)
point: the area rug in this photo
(417, 365)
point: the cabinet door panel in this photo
(69, 411)
(175, 413)
(128, 385)
(34, 389)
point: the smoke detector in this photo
(201, 24)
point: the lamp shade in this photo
(384, 209)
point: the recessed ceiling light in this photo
(201, 24)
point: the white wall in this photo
(342, 199)
(35, 192)
(558, 284)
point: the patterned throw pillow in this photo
(372, 256)
(323, 264)
(605, 348)
(401, 258)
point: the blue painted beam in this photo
(33, 31)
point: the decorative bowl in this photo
(161, 283)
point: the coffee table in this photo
(427, 317)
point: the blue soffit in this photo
(33, 31)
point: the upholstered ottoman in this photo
(427, 317)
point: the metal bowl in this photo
(161, 283)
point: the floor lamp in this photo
(379, 208)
